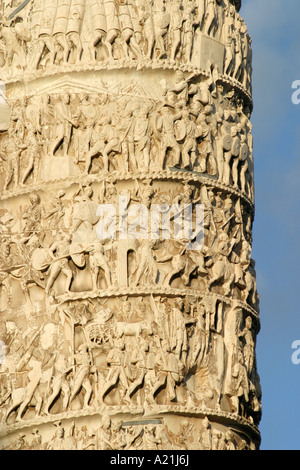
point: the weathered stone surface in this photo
(118, 330)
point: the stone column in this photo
(122, 328)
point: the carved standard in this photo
(126, 342)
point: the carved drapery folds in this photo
(124, 114)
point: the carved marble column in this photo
(115, 333)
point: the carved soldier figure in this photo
(97, 262)
(60, 30)
(65, 122)
(99, 25)
(109, 142)
(127, 30)
(206, 435)
(147, 22)
(12, 155)
(176, 28)
(147, 267)
(168, 140)
(59, 384)
(13, 35)
(232, 152)
(60, 264)
(142, 136)
(162, 23)
(56, 213)
(33, 216)
(190, 22)
(34, 152)
(86, 118)
(210, 18)
(45, 121)
(113, 25)
(221, 269)
(189, 147)
(73, 29)
(82, 378)
(229, 40)
(249, 346)
(240, 385)
(116, 376)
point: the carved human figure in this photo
(116, 376)
(151, 438)
(206, 435)
(86, 119)
(221, 269)
(44, 45)
(108, 142)
(61, 46)
(168, 368)
(127, 30)
(104, 434)
(240, 384)
(31, 388)
(14, 37)
(147, 23)
(126, 127)
(82, 376)
(210, 18)
(207, 160)
(162, 22)
(176, 28)
(98, 262)
(142, 136)
(56, 212)
(33, 216)
(189, 147)
(246, 336)
(59, 384)
(113, 26)
(84, 216)
(65, 122)
(34, 152)
(99, 26)
(61, 253)
(45, 119)
(147, 267)
(244, 165)
(138, 360)
(168, 140)
(178, 337)
(73, 30)
(231, 152)
(229, 40)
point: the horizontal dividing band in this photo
(165, 292)
(171, 174)
(149, 413)
(123, 64)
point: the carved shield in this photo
(244, 152)
(227, 142)
(41, 259)
(164, 21)
(77, 255)
(79, 260)
(236, 145)
(180, 130)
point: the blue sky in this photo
(274, 28)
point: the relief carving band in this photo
(128, 297)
